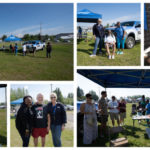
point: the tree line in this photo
(21, 92)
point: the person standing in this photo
(103, 110)
(113, 110)
(121, 37)
(122, 111)
(143, 104)
(10, 47)
(58, 119)
(48, 50)
(24, 120)
(90, 120)
(98, 32)
(80, 32)
(24, 49)
(16, 49)
(41, 124)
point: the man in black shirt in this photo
(41, 124)
(98, 32)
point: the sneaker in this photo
(92, 55)
(109, 57)
(113, 57)
(100, 53)
(118, 52)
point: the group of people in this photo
(38, 119)
(142, 109)
(109, 39)
(116, 110)
(14, 49)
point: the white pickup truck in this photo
(37, 44)
(133, 30)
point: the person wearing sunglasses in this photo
(90, 120)
(58, 118)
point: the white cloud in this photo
(46, 29)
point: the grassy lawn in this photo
(67, 138)
(136, 135)
(131, 57)
(38, 67)
(3, 128)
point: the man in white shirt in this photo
(24, 50)
(113, 110)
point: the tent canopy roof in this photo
(86, 15)
(12, 38)
(17, 102)
(118, 78)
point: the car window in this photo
(131, 23)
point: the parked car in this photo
(69, 107)
(133, 30)
(37, 44)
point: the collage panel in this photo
(113, 108)
(38, 45)
(109, 34)
(3, 115)
(41, 115)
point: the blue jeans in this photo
(98, 41)
(120, 42)
(56, 135)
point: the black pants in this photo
(25, 140)
(48, 54)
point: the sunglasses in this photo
(53, 97)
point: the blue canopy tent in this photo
(17, 102)
(12, 38)
(86, 15)
(145, 18)
(118, 78)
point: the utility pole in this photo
(51, 85)
(40, 31)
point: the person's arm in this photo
(48, 122)
(64, 116)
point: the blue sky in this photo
(2, 95)
(113, 12)
(45, 89)
(19, 19)
(88, 85)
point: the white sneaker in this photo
(113, 57)
(92, 55)
(109, 57)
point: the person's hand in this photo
(95, 37)
(63, 127)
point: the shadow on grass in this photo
(3, 140)
(105, 142)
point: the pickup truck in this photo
(133, 30)
(37, 44)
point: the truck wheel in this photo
(130, 42)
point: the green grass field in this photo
(136, 135)
(3, 128)
(131, 57)
(38, 67)
(67, 138)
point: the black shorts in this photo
(103, 119)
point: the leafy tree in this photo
(70, 95)
(59, 95)
(3, 37)
(18, 93)
(26, 37)
(80, 93)
(94, 95)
